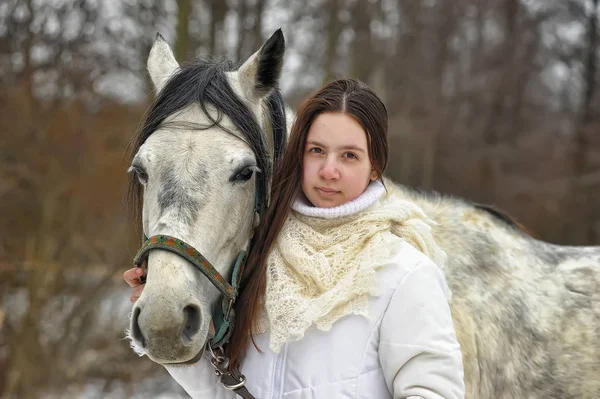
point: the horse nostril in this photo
(136, 332)
(191, 324)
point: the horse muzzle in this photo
(168, 335)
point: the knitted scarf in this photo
(323, 264)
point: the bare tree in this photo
(334, 29)
(182, 41)
(578, 198)
(218, 10)
(249, 35)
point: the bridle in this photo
(224, 317)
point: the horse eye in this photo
(243, 175)
(140, 173)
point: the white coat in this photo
(406, 348)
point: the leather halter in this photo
(223, 318)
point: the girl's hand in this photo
(133, 278)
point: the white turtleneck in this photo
(373, 192)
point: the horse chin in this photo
(142, 350)
(190, 362)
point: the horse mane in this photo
(504, 218)
(431, 196)
(203, 81)
(276, 109)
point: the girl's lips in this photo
(327, 191)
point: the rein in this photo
(223, 318)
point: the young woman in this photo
(343, 295)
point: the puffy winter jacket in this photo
(406, 348)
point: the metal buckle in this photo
(218, 360)
(220, 363)
(241, 383)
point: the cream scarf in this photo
(323, 264)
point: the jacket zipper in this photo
(279, 372)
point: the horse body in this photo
(527, 313)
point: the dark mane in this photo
(278, 124)
(495, 213)
(503, 217)
(203, 81)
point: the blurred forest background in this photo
(493, 100)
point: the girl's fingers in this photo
(132, 276)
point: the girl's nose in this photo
(329, 170)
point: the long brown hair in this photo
(348, 96)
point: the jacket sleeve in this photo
(418, 350)
(200, 381)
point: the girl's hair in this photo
(348, 96)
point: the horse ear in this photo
(161, 62)
(259, 75)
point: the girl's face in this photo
(336, 164)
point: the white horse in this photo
(527, 313)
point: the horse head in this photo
(200, 171)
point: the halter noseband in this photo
(222, 320)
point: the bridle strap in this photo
(230, 380)
(189, 253)
(225, 320)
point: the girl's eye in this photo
(350, 155)
(316, 150)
